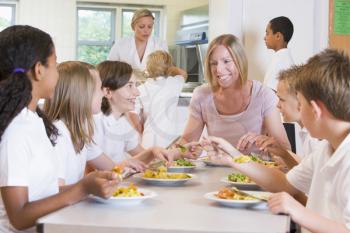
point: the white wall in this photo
(310, 19)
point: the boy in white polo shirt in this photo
(288, 105)
(323, 89)
(279, 31)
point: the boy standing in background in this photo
(279, 31)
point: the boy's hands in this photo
(283, 203)
(100, 183)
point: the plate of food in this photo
(240, 181)
(233, 198)
(162, 177)
(254, 158)
(181, 165)
(127, 195)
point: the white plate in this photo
(181, 169)
(239, 203)
(241, 185)
(126, 200)
(164, 182)
(210, 163)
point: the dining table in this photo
(174, 209)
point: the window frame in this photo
(117, 23)
(13, 5)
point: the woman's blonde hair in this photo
(158, 64)
(238, 55)
(140, 14)
(72, 101)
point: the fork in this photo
(240, 192)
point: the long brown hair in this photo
(72, 101)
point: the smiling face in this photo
(123, 99)
(143, 28)
(288, 104)
(223, 68)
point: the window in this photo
(99, 26)
(7, 15)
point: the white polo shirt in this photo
(27, 158)
(114, 137)
(159, 99)
(325, 176)
(305, 144)
(71, 164)
(281, 60)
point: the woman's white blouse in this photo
(125, 50)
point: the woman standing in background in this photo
(134, 50)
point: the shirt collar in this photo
(339, 153)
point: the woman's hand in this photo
(100, 183)
(134, 164)
(246, 141)
(217, 143)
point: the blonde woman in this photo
(77, 97)
(135, 49)
(159, 97)
(230, 105)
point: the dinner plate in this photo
(239, 203)
(126, 200)
(164, 182)
(181, 169)
(210, 163)
(241, 185)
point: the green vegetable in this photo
(238, 177)
(182, 148)
(183, 163)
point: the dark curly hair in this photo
(283, 25)
(21, 47)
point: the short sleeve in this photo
(93, 149)
(270, 101)
(114, 53)
(195, 104)
(301, 175)
(132, 140)
(14, 162)
(61, 152)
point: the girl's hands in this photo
(217, 144)
(100, 183)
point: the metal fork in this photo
(240, 192)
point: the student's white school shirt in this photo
(125, 50)
(305, 144)
(71, 164)
(159, 99)
(281, 60)
(27, 158)
(114, 137)
(325, 176)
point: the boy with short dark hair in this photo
(279, 31)
(323, 91)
